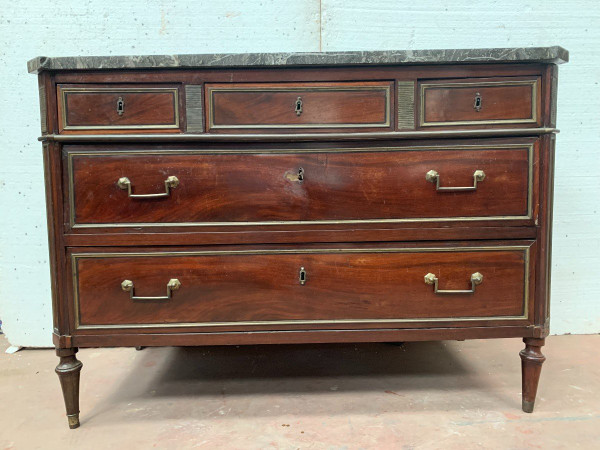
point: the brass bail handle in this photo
(434, 177)
(476, 280)
(170, 183)
(172, 285)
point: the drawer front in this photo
(94, 107)
(476, 102)
(196, 188)
(262, 106)
(300, 286)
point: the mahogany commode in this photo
(299, 198)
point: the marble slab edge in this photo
(554, 55)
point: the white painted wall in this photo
(63, 27)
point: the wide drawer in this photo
(277, 106)
(480, 101)
(297, 186)
(98, 107)
(292, 285)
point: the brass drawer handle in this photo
(434, 177)
(476, 279)
(172, 285)
(170, 183)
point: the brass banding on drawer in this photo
(318, 105)
(94, 108)
(478, 102)
(257, 187)
(243, 287)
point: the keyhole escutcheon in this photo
(477, 104)
(120, 106)
(298, 106)
(302, 276)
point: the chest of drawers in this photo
(299, 198)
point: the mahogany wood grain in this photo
(452, 102)
(273, 105)
(299, 74)
(267, 187)
(95, 106)
(517, 245)
(266, 287)
(531, 368)
(250, 174)
(159, 339)
(144, 237)
(68, 371)
(544, 229)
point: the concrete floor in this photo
(438, 395)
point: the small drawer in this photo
(263, 187)
(295, 286)
(278, 106)
(92, 108)
(479, 102)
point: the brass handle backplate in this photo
(476, 279)
(298, 106)
(434, 177)
(172, 285)
(170, 183)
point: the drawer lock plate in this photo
(477, 104)
(298, 106)
(120, 106)
(302, 276)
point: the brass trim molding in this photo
(194, 108)
(116, 90)
(77, 256)
(43, 109)
(406, 105)
(459, 85)
(71, 195)
(211, 114)
(304, 137)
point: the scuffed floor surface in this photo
(431, 395)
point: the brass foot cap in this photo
(528, 406)
(73, 421)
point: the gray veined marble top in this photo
(554, 54)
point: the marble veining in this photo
(553, 54)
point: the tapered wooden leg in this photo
(68, 373)
(531, 367)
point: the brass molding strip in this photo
(384, 124)
(66, 126)
(43, 109)
(71, 194)
(459, 85)
(524, 248)
(194, 109)
(406, 105)
(211, 137)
